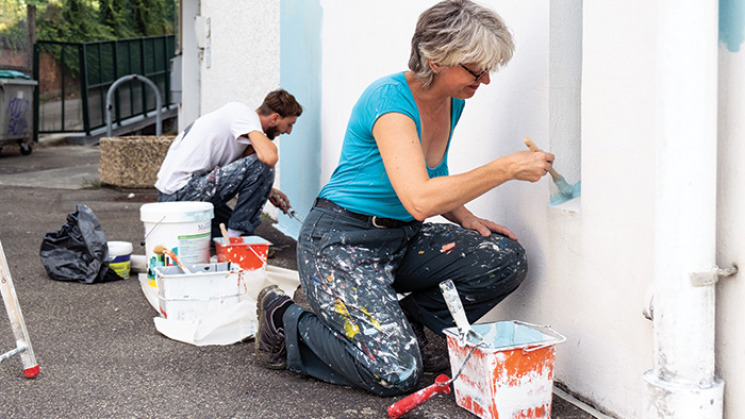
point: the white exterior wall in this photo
(591, 263)
(233, 46)
(614, 342)
(241, 55)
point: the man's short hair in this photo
(281, 102)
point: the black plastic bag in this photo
(78, 251)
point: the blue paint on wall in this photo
(732, 23)
(300, 74)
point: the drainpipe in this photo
(683, 382)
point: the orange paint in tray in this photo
(248, 252)
(510, 376)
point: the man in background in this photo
(227, 153)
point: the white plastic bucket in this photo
(184, 227)
(119, 257)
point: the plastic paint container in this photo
(212, 287)
(119, 257)
(511, 375)
(248, 252)
(184, 227)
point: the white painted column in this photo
(191, 61)
(683, 383)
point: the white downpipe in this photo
(683, 383)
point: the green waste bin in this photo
(16, 110)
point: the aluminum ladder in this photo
(23, 344)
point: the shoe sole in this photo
(260, 317)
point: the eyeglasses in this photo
(477, 75)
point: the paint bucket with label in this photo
(183, 227)
(119, 257)
(510, 374)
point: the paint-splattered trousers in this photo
(352, 272)
(247, 177)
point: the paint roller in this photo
(566, 191)
(466, 334)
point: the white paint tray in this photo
(209, 288)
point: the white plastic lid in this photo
(119, 248)
(176, 212)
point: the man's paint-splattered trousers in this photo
(248, 178)
(351, 273)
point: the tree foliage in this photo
(85, 20)
(13, 25)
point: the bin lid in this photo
(12, 74)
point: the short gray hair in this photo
(456, 32)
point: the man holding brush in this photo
(227, 153)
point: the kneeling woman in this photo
(364, 242)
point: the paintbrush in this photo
(161, 250)
(564, 187)
(292, 214)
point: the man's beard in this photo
(271, 132)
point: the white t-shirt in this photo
(215, 139)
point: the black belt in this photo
(378, 222)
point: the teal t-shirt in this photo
(360, 183)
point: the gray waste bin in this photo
(16, 110)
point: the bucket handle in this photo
(152, 229)
(256, 253)
(547, 330)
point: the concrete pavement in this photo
(99, 352)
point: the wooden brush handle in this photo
(532, 147)
(224, 232)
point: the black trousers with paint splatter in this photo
(248, 178)
(352, 274)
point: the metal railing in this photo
(74, 79)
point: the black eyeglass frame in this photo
(477, 76)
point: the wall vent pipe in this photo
(683, 383)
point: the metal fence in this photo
(74, 79)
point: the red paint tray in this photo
(248, 252)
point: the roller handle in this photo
(452, 299)
(532, 147)
(412, 401)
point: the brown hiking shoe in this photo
(431, 360)
(270, 336)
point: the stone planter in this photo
(132, 162)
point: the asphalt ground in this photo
(99, 352)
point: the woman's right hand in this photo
(530, 166)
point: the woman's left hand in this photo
(486, 227)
